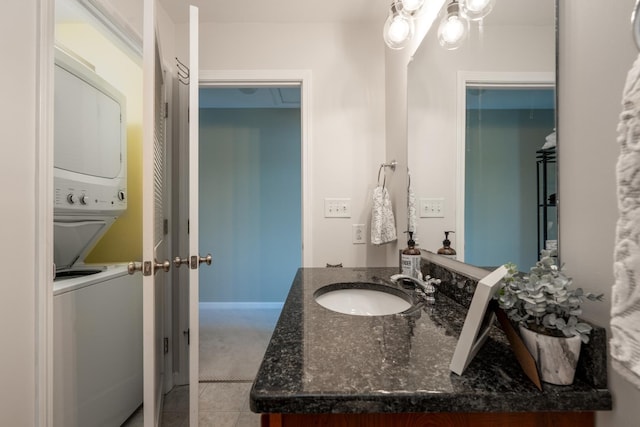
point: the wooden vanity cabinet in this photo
(484, 419)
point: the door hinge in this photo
(187, 335)
(166, 110)
(166, 345)
(165, 226)
(188, 226)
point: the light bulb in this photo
(453, 28)
(410, 6)
(475, 10)
(398, 30)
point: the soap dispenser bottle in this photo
(446, 249)
(410, 258)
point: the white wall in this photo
(596, 51)
(348, 100)
(18, 44)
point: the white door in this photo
(195, 259)
(154, 246)
(189, 76)
(153, 242)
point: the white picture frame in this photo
(478, 322)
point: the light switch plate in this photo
(432, 207)
(337, 208)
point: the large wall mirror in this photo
(481, 133)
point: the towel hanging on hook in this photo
(412, 212)
(384, 180)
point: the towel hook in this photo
(391, 165)
(183, 72)
(384, 181)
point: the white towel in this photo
(412, 214)
(550, 140)
(625, 301)
(383, 224)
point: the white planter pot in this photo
(556, 357)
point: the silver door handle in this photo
(145, 267)
(132, 267)
(177, 261)
(197, 260)
(165, 265)
(207, 259)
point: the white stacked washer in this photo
(97, 309)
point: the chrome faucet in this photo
(425, 285)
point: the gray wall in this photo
(250, 203)
(596, 51)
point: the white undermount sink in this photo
(362, 299)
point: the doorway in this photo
(251, 197)
(506, 128)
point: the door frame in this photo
(43, 200)
(301, 78)
(487, 79)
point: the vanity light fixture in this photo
(398, 28)
(409, 7)
(453, 28)
(475, 10)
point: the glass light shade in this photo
(411, 6)
(475, 10)
(453, 28)
(398, 30)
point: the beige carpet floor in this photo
(233, 341)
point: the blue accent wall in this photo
(250, 203)
(500, 185)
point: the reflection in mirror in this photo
(505, 127)
(475, 124)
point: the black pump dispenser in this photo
(411, 243)
(446, 248)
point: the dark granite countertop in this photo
(320, 361)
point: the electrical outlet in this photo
(357, 234)
(432, 207)
(337, 208)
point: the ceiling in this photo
(280, 11)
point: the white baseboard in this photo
(240, 305)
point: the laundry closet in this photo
(97, 305)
